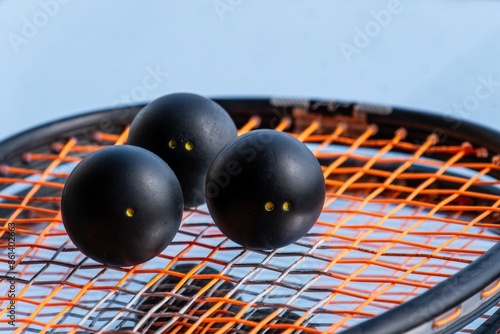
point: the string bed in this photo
(395, 223)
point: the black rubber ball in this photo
(187, 131)
(122, 205)
(265, 190)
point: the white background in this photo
(59, 58)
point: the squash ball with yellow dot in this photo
(187, 131)
(265, 189)
(122, 205)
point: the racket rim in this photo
(68, 124)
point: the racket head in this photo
(411, 203)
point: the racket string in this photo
(372, 195)
(368, 300)
(363, 137)
(393, 215)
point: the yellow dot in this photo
(130, 212)
(269, 206)
(172, 144)
(189, 146)
(287, 206)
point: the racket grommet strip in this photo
(447, 318)
(491, 289)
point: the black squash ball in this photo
(187, 131)
(265, 190)
(122, 205)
